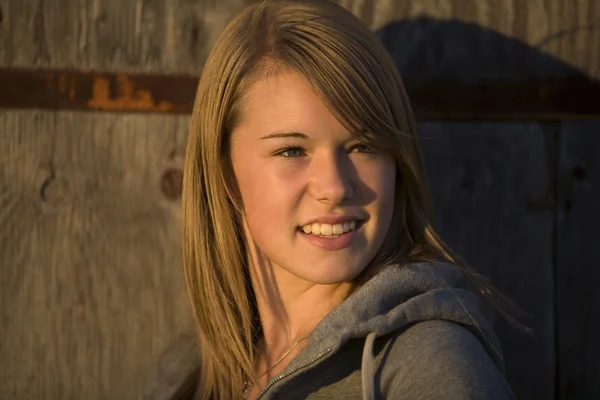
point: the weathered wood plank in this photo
(175, 36)
(578, 268)
(90, 285)
(113, 35)
(433, 98)
(493, 186)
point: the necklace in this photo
(246, 386)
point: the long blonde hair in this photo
(351, 71)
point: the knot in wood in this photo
(578, 173)
(54, 190)
(171, 183)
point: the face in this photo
(317, 202)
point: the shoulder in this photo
(439, 359)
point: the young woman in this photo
(309, 256)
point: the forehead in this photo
(285, 102)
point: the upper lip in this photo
(333, 219)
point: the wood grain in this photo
(112, 35)
(91, 288)
(578, 272)
(493, 187)
(175, 37)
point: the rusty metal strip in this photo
(433, 99)
(80, 90)
(536, 100)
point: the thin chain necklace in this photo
(246, 386)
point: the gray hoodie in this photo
(411, 332)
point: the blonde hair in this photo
(351, 71)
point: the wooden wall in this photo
(486, 178)
(577, 273)
(91, 291)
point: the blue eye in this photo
(290, 152)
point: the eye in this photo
(290, 152)
(361, 148)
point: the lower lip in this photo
(337, 243)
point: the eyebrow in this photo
(282, 135)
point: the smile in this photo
(329, 231)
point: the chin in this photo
(328, 273)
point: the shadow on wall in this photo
(497, 152)
(425, 47)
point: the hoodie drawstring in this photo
(368, 374)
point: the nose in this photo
(331, 178)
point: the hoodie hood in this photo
(393, 300)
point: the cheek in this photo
(383, 184)
(380, 179)
(267, 197)
(389, 188)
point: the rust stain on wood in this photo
(66, 84)
(576, 97)
(128, 96)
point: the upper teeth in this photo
(328, 229)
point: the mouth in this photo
(330, 231)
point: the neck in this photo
(289, 307)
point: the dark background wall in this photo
(94, 104)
